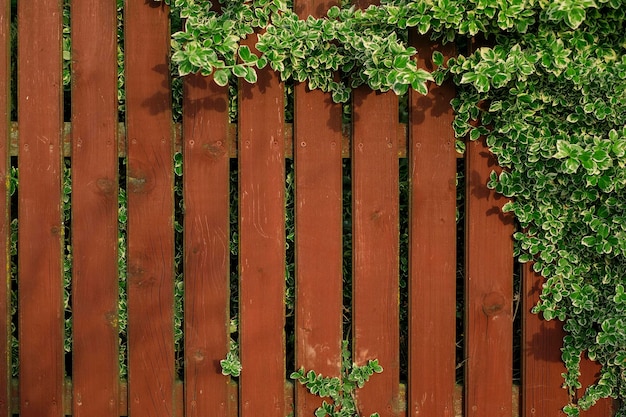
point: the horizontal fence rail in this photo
(151, 200)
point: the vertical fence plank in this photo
(5, 278)
(488, 290)
(94, 209)
(375, 246)
(150, 209)
(40, 230)
(542, 384)
(542, 391)
(432, 262)
(319, 253)
(207, 245)
(262, 245)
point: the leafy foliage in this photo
(548, 94)
(339, 390)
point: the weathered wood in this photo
(262, 245)
(149, 184)
(207, 245)
(318, 207)
(432, 244)
(95, 288)
(488, 290)
(375, 197)
(40, 245)
(5, 117)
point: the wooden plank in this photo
(432, 243)
(40, 242)
(94, 209)
(375, 196)
(319, 251)
(542, 384)
(150, 210)
(261, 246)
(5, 292)
(488, 290)
(207, 245)
(542, 391)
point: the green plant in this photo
(340, 390)
(231, 366)
(548, 94)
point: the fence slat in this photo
(542, 391)
(542, 384)
(40, 230)
(94, 209)
(262, 246)
(488, 291)
(375, 246)
(5, 228)
(150, 210)
(319, 253)
(432, 244)
(207, 245)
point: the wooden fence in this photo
(317, 145)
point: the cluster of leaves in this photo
(549, 93)
(554, 99)
(339, 389)
(311, 50)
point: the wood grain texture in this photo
(375, 311)
(262, 246)
(488, 290)
(94, 209)
(149, 184)
(207, 245)
(319, 252)
(40, 113)
(432, 243)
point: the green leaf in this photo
(575, 17)
(246, 55)
(438, 58)
(250, 75)
(221, 77)
(240, 71)
(589, 241)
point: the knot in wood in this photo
(493, 303)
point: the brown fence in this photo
(317, 144)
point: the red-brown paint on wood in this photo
(40, 231)
(488, 290)
(95, 290)
(375, 310)
(207, 245)
(5, 125)
(432, 244)
(542, 391)
(318, 214)
(149, 184)
(261, 245)
(542, 384)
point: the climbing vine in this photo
(549, 93)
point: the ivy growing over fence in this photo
(549, 93)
